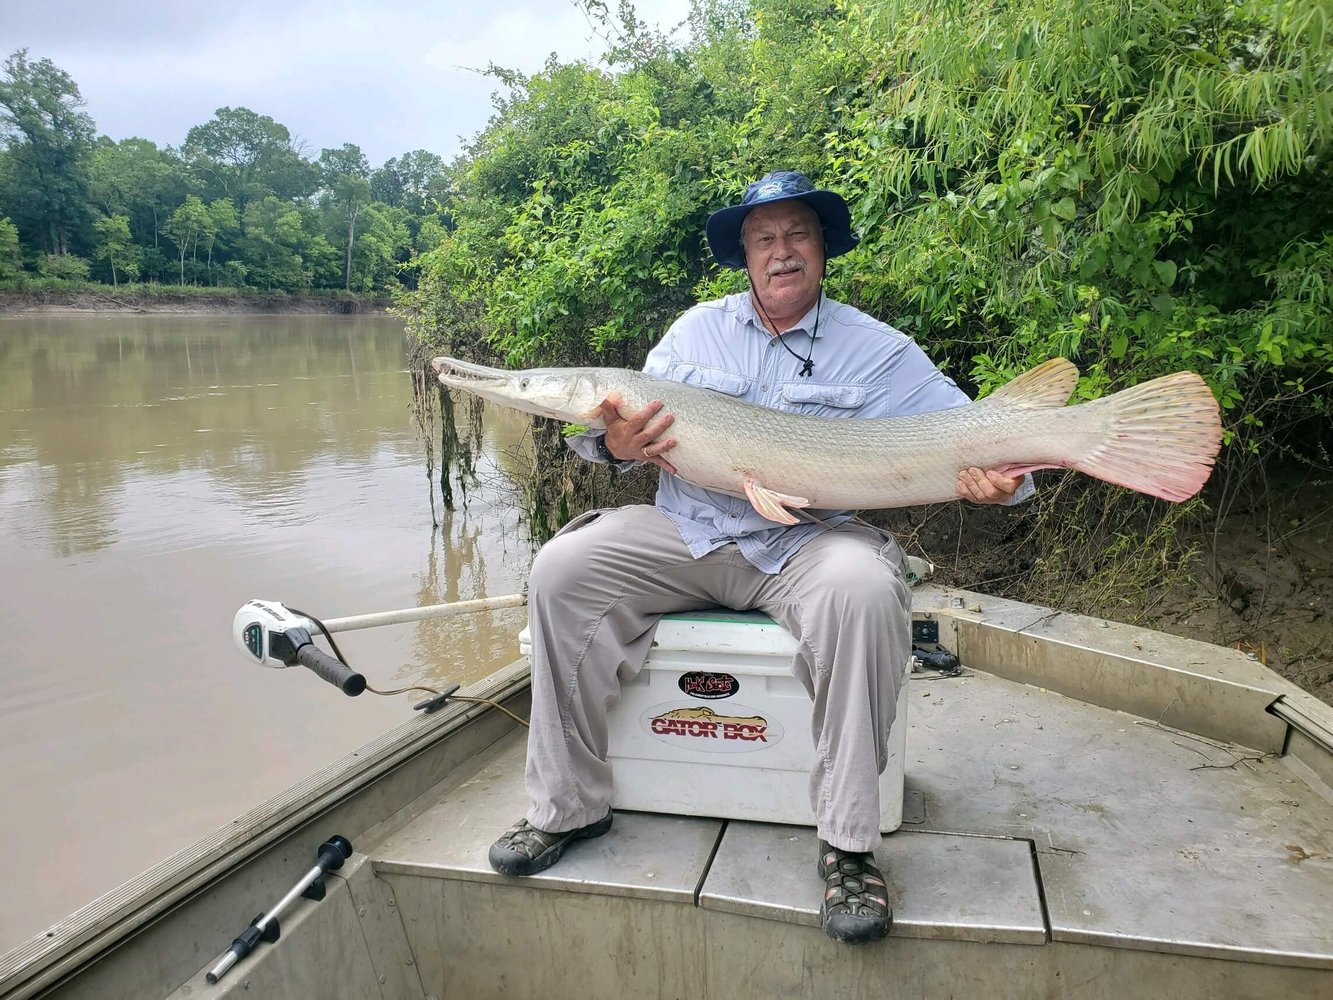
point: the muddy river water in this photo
(155, 473)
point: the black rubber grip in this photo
(333, 670)
(333, 852)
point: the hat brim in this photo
(724, 226)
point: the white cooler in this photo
(716, 725)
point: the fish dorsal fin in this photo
(1051, 383)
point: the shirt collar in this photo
(805, 325)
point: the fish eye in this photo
(522, 384)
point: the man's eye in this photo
(799, 235)
(764, 241)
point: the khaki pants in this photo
(596, 592)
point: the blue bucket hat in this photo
(724, 225)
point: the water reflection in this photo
(156, 473)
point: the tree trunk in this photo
(351, 236)
(352, 212)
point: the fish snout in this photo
(464, 374)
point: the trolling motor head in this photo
(267, 632)
(260, 630)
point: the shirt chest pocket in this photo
(827, 398)
(716, 379)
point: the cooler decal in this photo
(702, 684)
(697, 727)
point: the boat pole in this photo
(332, 853)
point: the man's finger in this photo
(638, 418)
(654, 430)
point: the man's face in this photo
(784, 253)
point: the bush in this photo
(62, 267)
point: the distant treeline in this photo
(238, 204)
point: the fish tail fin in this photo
(1051, 383)
(1162, 437)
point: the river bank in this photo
(163, 299)
(1255, 575)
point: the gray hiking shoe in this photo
(525, 850)
(856, 900)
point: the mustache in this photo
(785, 267)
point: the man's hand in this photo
(635, 437)
(986, 486)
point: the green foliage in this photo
(62, 267)
(242, 155)
(189, 223)
(11, 261)
(136, 179)
(1139, 187)
(284, 247)
(116, 249)
(49, 141)
(381, 248)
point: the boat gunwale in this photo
(116, 915)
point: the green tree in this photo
(135, 178)
(187, 225)
(223, 220)
(49, 141)
(410, 181)
(282, 247)
(244, 155)
(346, 178)
(116, 248)
(11, 258)
(381, 249)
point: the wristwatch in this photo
(605, 452)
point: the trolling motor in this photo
(268, 632)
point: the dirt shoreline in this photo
(81, 303)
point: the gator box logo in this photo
(696, 727)
(699, 684)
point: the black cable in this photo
(807, 363)
(414, 687)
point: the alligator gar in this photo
(1159, 438)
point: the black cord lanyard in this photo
(807, 363)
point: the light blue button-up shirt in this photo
(862, 368)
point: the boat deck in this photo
(1091, 811)
(1031, 819)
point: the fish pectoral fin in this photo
(771, 504)
(615, 399)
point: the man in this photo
(598, 589)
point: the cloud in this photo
(389, 78)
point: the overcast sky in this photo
(388, 76)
